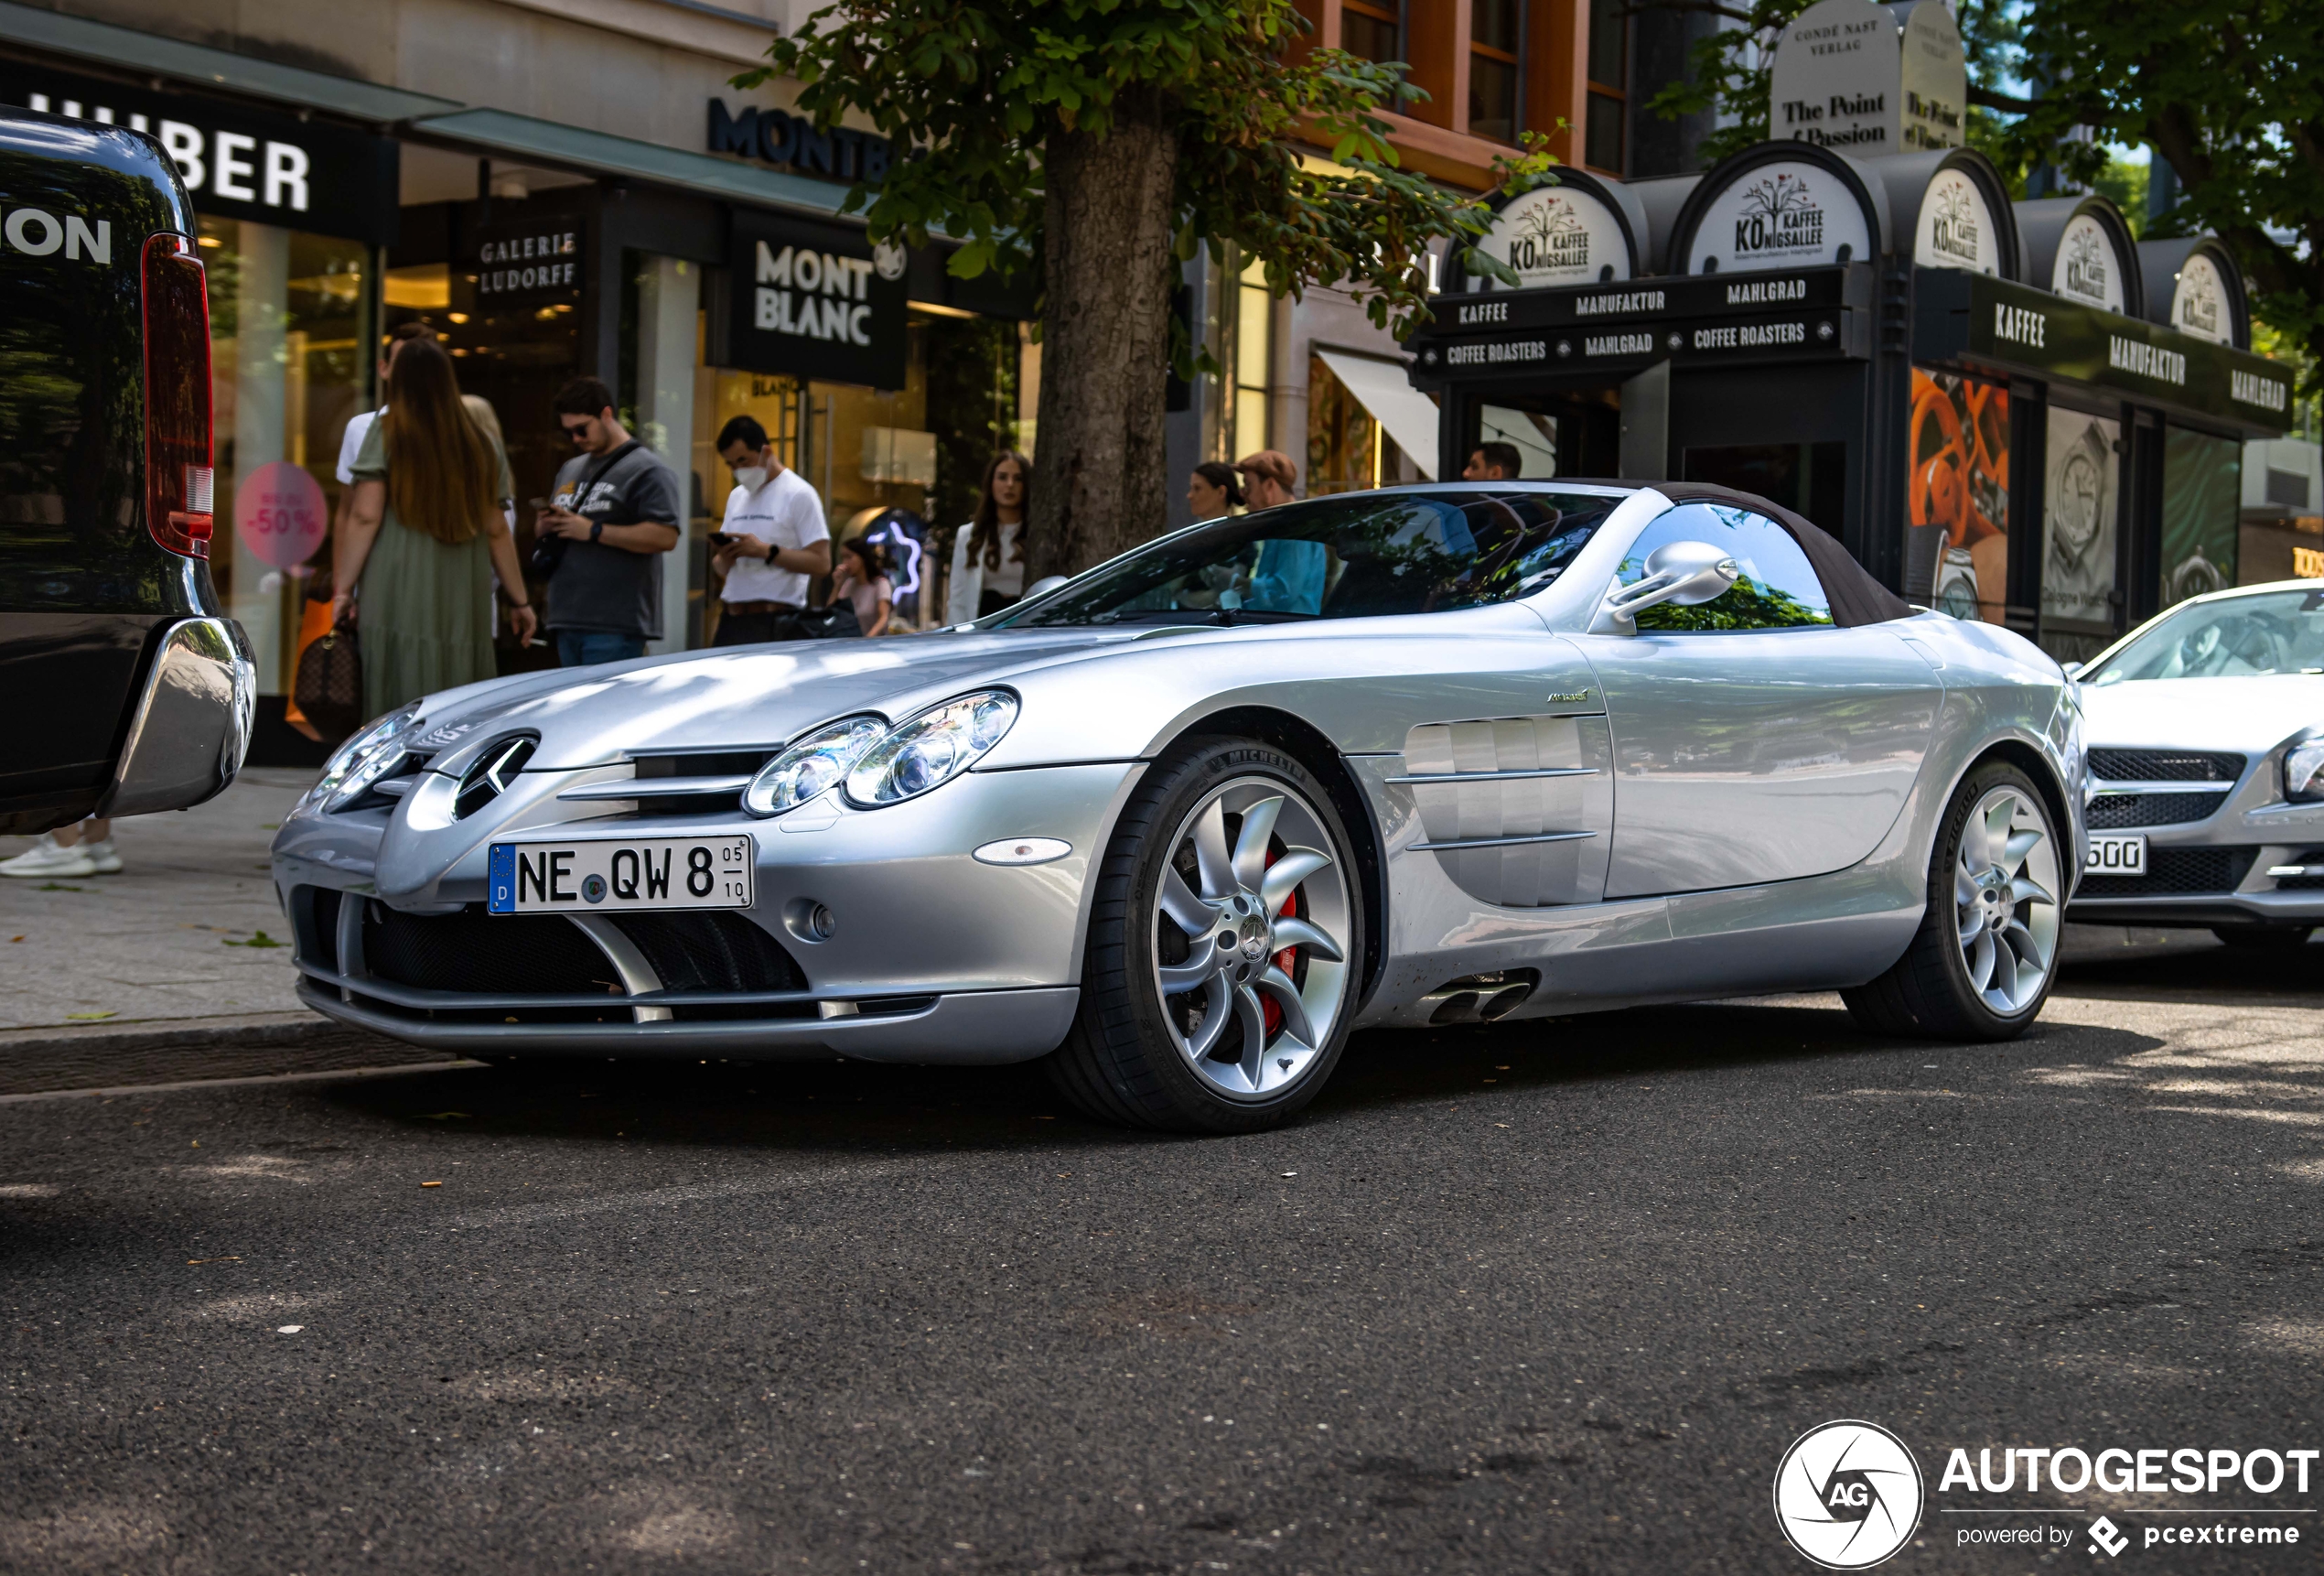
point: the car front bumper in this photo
(932, 955)
(2233, 867)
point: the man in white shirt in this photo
(772, 544)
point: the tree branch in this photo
(1987, 98)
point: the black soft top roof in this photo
(1856, 598)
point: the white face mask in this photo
(751, 478)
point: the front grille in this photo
(722, 775)
(2110, 811)
(507, 955)
(2165, 766)
(2175, 873)
(715, 952)
(470, 954)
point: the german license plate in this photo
(608, 876)
(2123, 856)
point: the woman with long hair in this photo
(424, 536)
(1214, 489)
(988, 553)
(862, 581)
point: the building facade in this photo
(559, 188)
(1312, 377)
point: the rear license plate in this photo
(608, 876)
(2125, 856)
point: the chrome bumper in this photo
(191, 726)
(985, 1028)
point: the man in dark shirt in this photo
(1494, 462)
(616, 509)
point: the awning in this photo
(600, 153)
(1381, 388)
(126, 47)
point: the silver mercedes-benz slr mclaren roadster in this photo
(1426, 755)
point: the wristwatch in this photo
(597, 529)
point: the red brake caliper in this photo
(1271, 1013)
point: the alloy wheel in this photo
(2004, 891)
(1250, 939)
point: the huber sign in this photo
(1870, 80)
(816, 301)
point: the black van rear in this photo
(124, 688)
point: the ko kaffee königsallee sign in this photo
(1559, 234)
(1994, 321)
(816, 300)
(238, 163)
(1870, 80)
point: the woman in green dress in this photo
(425, 537)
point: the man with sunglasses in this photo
(613, 513)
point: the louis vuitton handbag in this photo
(328, 685)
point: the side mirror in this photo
(1044, 586)
(1682, 573)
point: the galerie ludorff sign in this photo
(1870, 81)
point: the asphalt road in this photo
(1546, 1297)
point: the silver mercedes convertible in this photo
(1429, 755)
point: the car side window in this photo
(1777, 589)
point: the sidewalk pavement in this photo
(178, 966)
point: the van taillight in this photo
(177, 456)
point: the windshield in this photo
(2282, 632)
(1366, 554)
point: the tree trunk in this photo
(1099, 484)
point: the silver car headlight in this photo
(363, 759)
(813, 765)
(930, 750)
(2303, 766)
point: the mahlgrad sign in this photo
(1870, 80)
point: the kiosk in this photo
(1965, 392)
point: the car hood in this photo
(2246, 714)
(738, 696)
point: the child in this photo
(862, 578)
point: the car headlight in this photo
(363, 759)
(925, 751)
(812, 765)
(2302, 765)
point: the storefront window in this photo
(2202, 491)
(1348, 451)
(2079, 504)
(288, 367)
(1957, 506)
(904, 466)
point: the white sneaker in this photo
(50, 858)
(104, 857)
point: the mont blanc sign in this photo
(1870, 80)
